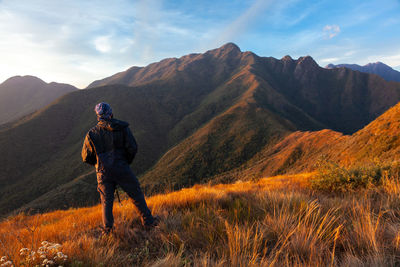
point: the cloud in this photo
(80, 41)
(329, 60)
(331, 31)
(53, 40)
(350, 53)
(102, 44)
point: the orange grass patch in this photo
(275, 221)
(64, 226)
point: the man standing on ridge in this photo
(111, 147)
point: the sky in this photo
(77, 41)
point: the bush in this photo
(333, 178)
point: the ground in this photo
(273, 221)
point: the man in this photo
(111, 147)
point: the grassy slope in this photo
(300, 151)
(225, 142)
(272, 222)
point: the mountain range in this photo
(383, 70)
(22, 95)
(199, 118)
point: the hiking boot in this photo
(154, 223)
(106, 231)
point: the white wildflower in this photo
(50, 262)
(3, 259)
(56, 246)
(60, 254)
(45, 243)
(43, 256)
(45, 261)
(7, 263)
(24, 250)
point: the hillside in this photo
(301, 151)
(20, 96)
(275, 221)
(195, 117)
(295, 152)
(383, 70)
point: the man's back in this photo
(109, 143)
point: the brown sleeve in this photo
(88, 151)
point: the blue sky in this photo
(78, 41)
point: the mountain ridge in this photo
(129, 76)
(378, 68)
(194, 118)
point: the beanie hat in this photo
(103, 111)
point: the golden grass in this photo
(275, 221)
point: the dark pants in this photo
(127, 180)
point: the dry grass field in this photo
(275, 221)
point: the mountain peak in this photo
(230, 46)
(22, 95)
(376, 63)
(307, 61)
(226, 51)
(24, 79)
(287, 58)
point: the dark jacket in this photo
(109, 144)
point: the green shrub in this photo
(333, 178)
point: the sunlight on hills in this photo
(197, 117)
